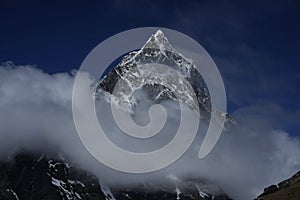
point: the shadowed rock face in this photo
(41, 178)
(31, 177)
(190, 190)
(285, 190)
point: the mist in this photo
(36, 116)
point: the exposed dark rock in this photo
(42, 178)
(285, 190)
(31, 177)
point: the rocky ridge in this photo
(286, 190)
(32, 177)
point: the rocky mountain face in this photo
(40, 178)
(285, 190)
(156, 50)
(130, 76)
(31, 177)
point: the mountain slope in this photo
(156, 50)
(285, 190)
(40, 178)
(31, 177)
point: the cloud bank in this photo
(36, 115)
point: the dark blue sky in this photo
(255, 44)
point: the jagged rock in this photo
(32, 177)
(41, 178)
(158, 50)
(185, 190)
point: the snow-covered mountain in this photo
(39, 177)
(31, 177)
(156, 50)
(130, 75)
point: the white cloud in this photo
(36, 115)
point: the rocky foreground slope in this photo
(285, 190)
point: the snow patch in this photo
(177, 193)
(107, 193)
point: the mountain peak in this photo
(159, 33)
(158, 41)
